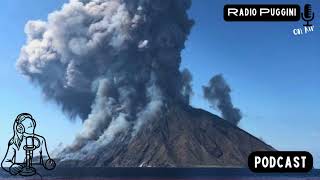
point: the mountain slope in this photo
(181, 137)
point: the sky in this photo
(274, 75)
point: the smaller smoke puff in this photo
(218, 94)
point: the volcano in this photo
(183, 136)
(115, 65)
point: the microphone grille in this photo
(29, 141)
(307, 10)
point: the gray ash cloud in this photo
(113, 63)
(217, 92)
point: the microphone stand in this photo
(28, 170)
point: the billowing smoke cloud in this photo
(217, 92)
(113, 63)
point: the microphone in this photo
(28, 170)
(307, 15)
(29, 150)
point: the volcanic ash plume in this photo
(217, 92)
(113, 63)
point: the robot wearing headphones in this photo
(23, 146)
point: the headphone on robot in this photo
(20, 118)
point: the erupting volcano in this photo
(115, 64)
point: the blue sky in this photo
(274, 75)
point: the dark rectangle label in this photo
(262, 12)
(280, 161)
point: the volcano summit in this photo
(181, 137)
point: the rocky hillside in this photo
(182, 137)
